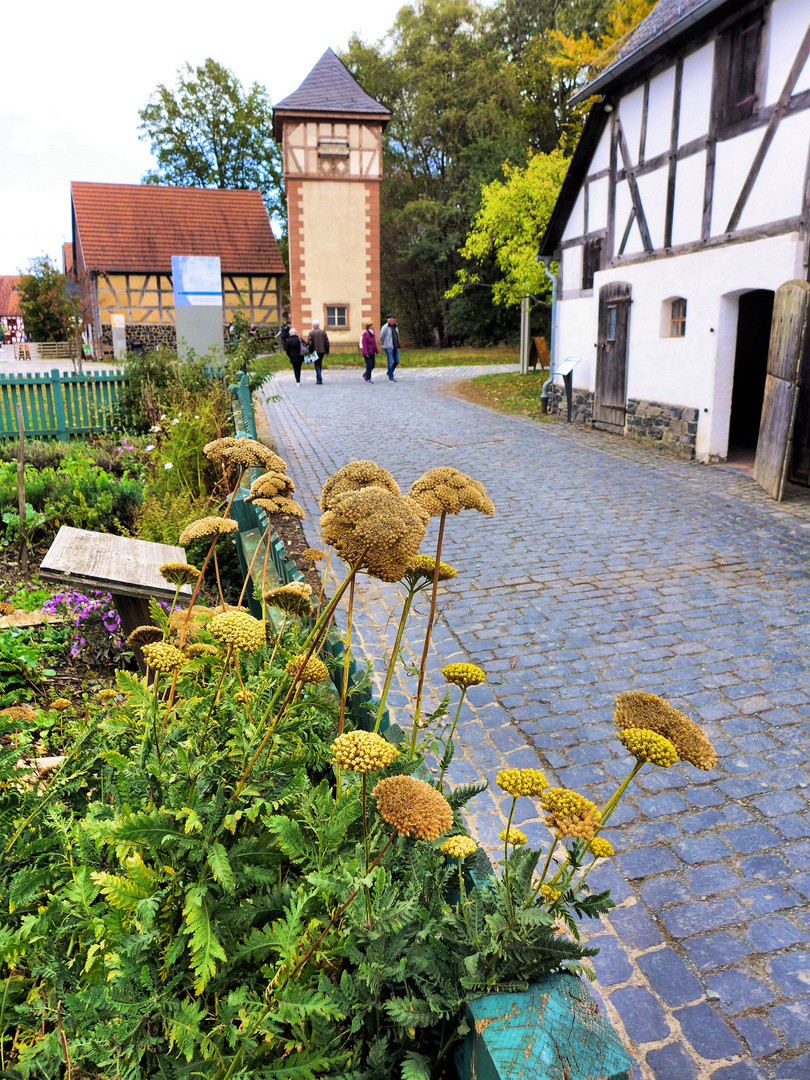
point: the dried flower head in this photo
(600, 847)
(107, 695)
(19, 712)
(145, 635)
(250, 454)
(207, 526)
(649, 746)
(636, 709)
(423, 567)
(313, 555)
(313, 671)
(238, 629)
(570, 814)
(242, 697)
(270, 484)
(514, 837)
(517, 782)
(162, 656)
(551, 896)
(6, 609)
(180, 573)
(60, 704)
(278, 504)
(295, 598)
(214, 450)
(464, 675)
(413, 807)
(363, 751)
(356, 476)
(377, 529)
(200, 651)
(459, 847)
(446, 490)
(196, 620)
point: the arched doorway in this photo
(754, 316)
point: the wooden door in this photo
(610, 396)
(786, 352)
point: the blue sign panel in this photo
(196, 281)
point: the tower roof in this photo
(328, 89)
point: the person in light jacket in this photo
(369, 349)
(389, 341)
(296, 350)
(318, 343)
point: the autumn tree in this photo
(48, 302)
(209, 132)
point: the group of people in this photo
(316, 346)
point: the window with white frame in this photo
(337, 316)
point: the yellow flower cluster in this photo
(313, 555)
(162, 656)
(446, 490)
(570, 814)
(295, 598)
(198, 651)
(207, 526)
(314, 670)
(514, 837)
(363, 751)
(636, 709)
(459, 847)
(375, 528)
(356, 476)
(551, 896)
(144, 635)
(423, 567)
(60, 704)
(242, 697)
(179, 573)
(600, 847)
(239, 629)
(649, 746)
(270, 484)
(277, 504)
(196, 620)
(214, 450)
(413, 807)
(247, 454)
(19, 712)
(106, 695)
(517, 782)
(464, 675)
(6, 609)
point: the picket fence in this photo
(58, 405)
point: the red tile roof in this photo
(138, 227)
(9, 301)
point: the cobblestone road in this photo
(606, 568)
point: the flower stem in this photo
(250, 568)
(426, 647)
(406, 608)
(452, 730)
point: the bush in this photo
(154, 381)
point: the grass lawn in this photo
(509, 393)
(417, 358)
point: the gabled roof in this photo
(138, 227)
(9, 300)
(329, 88)
(668, 23)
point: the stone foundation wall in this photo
(148, 335)
(669, 427)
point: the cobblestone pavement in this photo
(609, 567)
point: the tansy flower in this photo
(356, 476)
(377, 529)
(413, 807)
(6, 609)
(200, 651)
(636, 709)
(238, 629)
(649, 746)
(423, 567)
(313, 555)
(162, 656)
(295, 598)
(446, 490)
(270, 484)
(179, 573)
(19, 712)
(314, 671)
(145, 635)
(459, 847)
(464, 675)
(551, 896)
(242, 697)
(207, 526)
(363, 751)
(518, 782)
(60, 704)
(214, 450)
(600, 847)
(514, 837)
(248, 453)
(107, 695)
(570, 814)
(278, 504)
(198, 617)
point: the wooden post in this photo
(524, 335)
(21, 490)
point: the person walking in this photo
(318, 343)
(296, 349)
(389, 341)
(369, 349)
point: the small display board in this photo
(567, 366)
(198, 312)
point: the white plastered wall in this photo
(697, 370)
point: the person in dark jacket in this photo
(318, 343)
(296, 349)
(369, 349)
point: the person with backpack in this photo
(296, 349)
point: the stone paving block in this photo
(761, 1039)
(687, 919)
(791, 972)
(670, 977)
(739, 991)
(776, 932)
(612, 965)
(641, 862)
(763, 899)
(658, 892)
(793, 827)
(798, 1068)
(702, 849)
(644, 1019)
(671, 1062)
(792, 1021)
(742, 1070)
(707, 1032)
(634, 926)
(751, 838)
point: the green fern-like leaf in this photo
(221, 868)
(415, 1067)
(120, 892)
(205, 946)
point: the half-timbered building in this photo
(11, 317)
(685, 208)
(124, 237)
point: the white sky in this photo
(75, 76)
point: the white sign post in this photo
(198, 311)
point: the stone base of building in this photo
(666, 427)
(145, 336)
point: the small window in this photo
(611, 326)
(591, 261)
(333, 148)
(737, 70)
(337, 317)
(677, 322)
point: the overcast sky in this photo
(76, 74)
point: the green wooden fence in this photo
(59, 405)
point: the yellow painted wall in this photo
(144, 305)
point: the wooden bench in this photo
(124, 567)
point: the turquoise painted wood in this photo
(554, 1031)
(58, 405)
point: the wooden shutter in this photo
(786, 352)
(737, 69)
(610, 392)
(591, 261)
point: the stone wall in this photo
(581, 404)
(148, 335)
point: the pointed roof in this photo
(329, 88)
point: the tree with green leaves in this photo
(48, 302)
(208, 132)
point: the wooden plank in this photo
(673, 154)
(634, 195)
(611, 207)
(645, 108)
